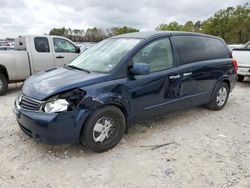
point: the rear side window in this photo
(41, 44)
(218, 49)
(195, 48)
(191, 49)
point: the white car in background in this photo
(6, 48)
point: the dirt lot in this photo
(192, 148)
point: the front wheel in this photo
(104, 129)
(220, 97)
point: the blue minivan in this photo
(121, 80)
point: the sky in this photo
(20, 17)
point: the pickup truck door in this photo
(41, 54)
(64, 51)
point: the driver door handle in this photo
(174, 77)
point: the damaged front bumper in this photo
(51, 128)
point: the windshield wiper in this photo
(77, 68)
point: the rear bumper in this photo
(245, 71)
(51, 128)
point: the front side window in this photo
(62, 46)
(105, 55)
(157, 54)
(41, 44)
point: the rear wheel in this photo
(240, 78)
(104, 129)
(3, 84)
(220, 97)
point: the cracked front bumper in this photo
(51, 128)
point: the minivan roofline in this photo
(149, 34)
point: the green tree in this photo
(232, 24)
(57, 31)
(125, 29)
(189, 26)
(197, 26)
(172, 26)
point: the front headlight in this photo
(58, 105)
(66, 101)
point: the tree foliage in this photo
(91, 34)
(232, 24)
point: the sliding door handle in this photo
(187, 74)
(174, 77)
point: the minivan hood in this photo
(51, 82)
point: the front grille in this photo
(29, 104)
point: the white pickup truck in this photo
(32, 54)
(242, 56)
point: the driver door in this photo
(154, 93)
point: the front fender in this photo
(93, 102)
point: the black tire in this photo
(214, 105)
(3, 84)
(87, 135)
(240, 78)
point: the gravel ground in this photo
(192, 148)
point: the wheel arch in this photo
(101, 103)
(4, 71)
(225, 80)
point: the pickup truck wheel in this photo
(220, 97)
(240, 78)
(3, 84)
(104, 129)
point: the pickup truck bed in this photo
(13, 61)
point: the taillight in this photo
(235, 65)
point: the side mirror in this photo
(140, 69)
(78, 50)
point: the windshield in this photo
(104, 56)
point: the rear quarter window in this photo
(191, 49)
(218, 49)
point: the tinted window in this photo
(41, 44)
(195, 48)
(62, 45)
(218, 49)
(157, 54)
(191, 49)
